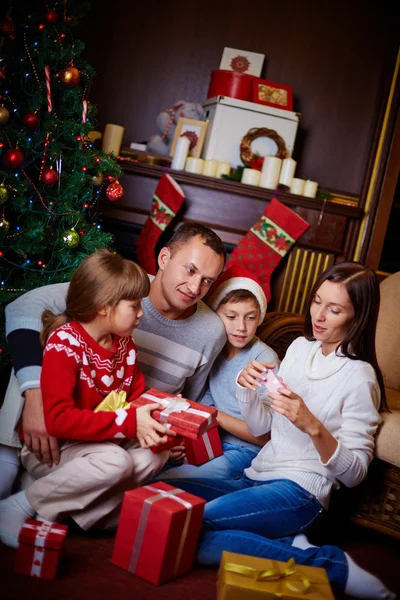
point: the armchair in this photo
(376, 503)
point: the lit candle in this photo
(287, 171)
(297, 186)
(112, 139)
(180, 154)
(210, 167)
(251, 176)
(310, 189)
(194, 165)
(223, 168)
(270, 172)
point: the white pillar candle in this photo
(180, 153)
(310, 189)
(251, 176)
(194, 165)
(270, 172)
(297, 186)
(287, 171)
(210, 167)
(112, 139)
(223, 168)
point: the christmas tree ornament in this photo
(167, 200)
(4, 226)
(7, 25)
(69, 76)
(268, 241)
(13, 158)
(4, 115)
(115, 191)
(97, 180)
(70, 238)
(3, 75)
(3, 194)
(30, 120)
(49, 176)
(52, 17)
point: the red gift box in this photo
(157, 532)
(231, 84)
(207, 447)
(39, 550)
(170, 443)
(189, 419)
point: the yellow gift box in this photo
(242, 577)
(112, 402)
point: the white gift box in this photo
(229, 121)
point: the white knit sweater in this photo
(343, 394)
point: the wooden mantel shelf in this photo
(240, 189)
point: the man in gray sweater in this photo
(178, 339)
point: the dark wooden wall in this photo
(338, 55)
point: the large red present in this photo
(39, 551)
(207, 447)
(189, 419)
(170, 443)
(157, 532)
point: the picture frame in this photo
(192, 129)
(273, 94)
(242, 61)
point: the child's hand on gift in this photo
(148, 431)
(253, 373)
(177, 455)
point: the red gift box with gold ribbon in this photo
(157, 532)
(39, 550)
(207, 447)
(187, 418)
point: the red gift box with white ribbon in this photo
(157, 532)
(189, 419)
(39, 550)
(207, 447)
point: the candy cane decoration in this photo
(84, 110)
(47, 73)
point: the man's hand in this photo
(36, 438)
(148, 431)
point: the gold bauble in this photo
(3, 194)
(97, 180)
(4, 226)
(70, 238)
(69, 76)
(4, 115)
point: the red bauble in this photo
(52, 17)
(115, 191)
(49, 176)
(7, 25)
(13, 158)
(31, 120)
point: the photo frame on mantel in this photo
(195, 131)
(273, 94)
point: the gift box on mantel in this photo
(254, 578)
(39, 550)
(207, 447)
(187, 418)
(157, 532)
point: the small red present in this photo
(207, 447)
(157, 532)
(184, 416)
(39, 550)
(173, 440)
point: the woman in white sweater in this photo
(322, 434)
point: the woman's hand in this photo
(291, 406)
(252, 373)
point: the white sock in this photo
(300, 541)
(13, 513)
(362, 584)
(9, 464)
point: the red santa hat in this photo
(236, 278)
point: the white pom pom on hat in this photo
(236, 278)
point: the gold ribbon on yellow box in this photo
(112, 402)
(253, 578)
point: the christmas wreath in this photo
(252, 160)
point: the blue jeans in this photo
(260, 518)
(230, 465)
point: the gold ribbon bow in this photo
(112, 402)
(273, 574)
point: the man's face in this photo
(188, 274)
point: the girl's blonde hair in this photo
(102, 279)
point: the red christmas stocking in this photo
(267, 242)
(167, 200)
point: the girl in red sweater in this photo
(90, 352)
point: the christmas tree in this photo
(51, 175)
